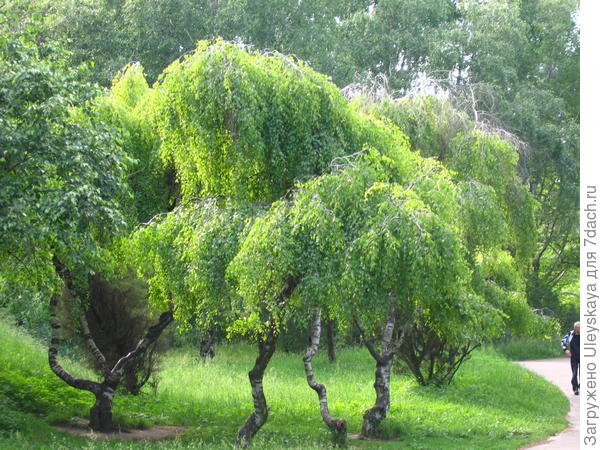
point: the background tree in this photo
(523, 74)
(152, 182)
(62, 170)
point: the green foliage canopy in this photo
(510, 63)
(376, 233)
(497, 211)
(60, 165)
(126, 108)
(241, 125)
(183, 255)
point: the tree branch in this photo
(78, 383)
(372, 350)
(152, 335)
(91, 344)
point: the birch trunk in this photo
(266, 348)
(337, 427)
(373, 417)
(101, 418)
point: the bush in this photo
(433, 359)
(118, 317)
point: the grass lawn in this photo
(519, 349)
(493, 404)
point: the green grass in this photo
(492, 404)
(519, 349)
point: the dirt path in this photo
(79, 427)
(558, 372)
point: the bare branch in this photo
(152, 335)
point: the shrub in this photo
(118, 316)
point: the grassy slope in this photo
(492, 404)
(519, 349)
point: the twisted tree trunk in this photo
(101, 413)
(373, 417)
(337, 427)
(266, 348)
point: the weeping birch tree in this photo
(497, 216)
(376, 245)
(498, 212)
(238, 129)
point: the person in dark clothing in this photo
(570, 345)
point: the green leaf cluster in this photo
(183, 256)
(151, 187)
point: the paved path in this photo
(558, 371)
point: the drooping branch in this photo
(368, 343)
(338, 427)
(387, 349)
(404, 330)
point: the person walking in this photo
(570, 345)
